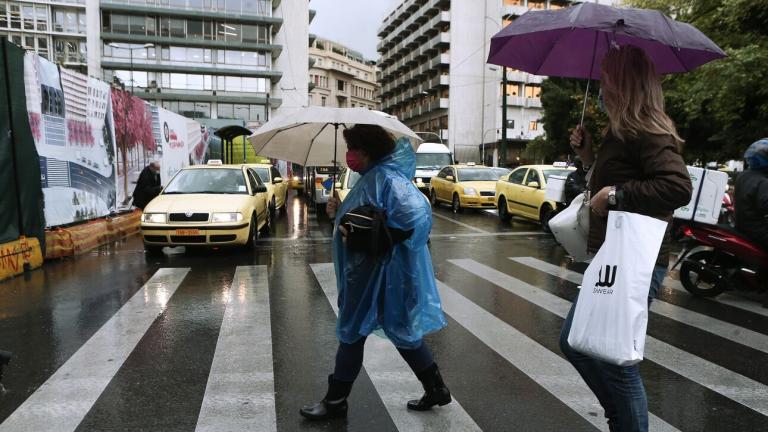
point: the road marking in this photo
(61, 403)
(546, 368)
(240, 394)
(433, 236)
(727, 299)
(732, 385)
(394, 380)
(715, 326)
(438, 215)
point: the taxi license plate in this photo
(187, 232)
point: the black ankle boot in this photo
(435, 391)
(5, 358)
(333, 405)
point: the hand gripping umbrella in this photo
(572, 42)
(310, 136)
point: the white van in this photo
(430, 158)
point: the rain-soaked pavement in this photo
(229, 340)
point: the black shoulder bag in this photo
(367, 231)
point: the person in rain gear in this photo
(394, 294)
(752, 195)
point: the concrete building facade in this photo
(341, 77)
(436, 80)
(58, 30)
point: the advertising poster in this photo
(71, 123)
(135, 140)
(173, 149)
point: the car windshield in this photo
(432, 160)
(499, 172)
(353, 179)
(557, 172)
(263, 174)
(208, 181)
(477, 174)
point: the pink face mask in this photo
(354, 161)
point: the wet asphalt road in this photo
(118, 341)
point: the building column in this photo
(93, 38)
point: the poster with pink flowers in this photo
(70, 116)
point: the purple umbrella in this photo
(571, 42)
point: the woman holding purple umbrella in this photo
(638, 169)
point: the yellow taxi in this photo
(207, 205)
(522, 192)
(297, 183)
(277, 187)
(465, 186)
(347, 180)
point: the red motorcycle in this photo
(716, 258)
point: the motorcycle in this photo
(727, 211)
(716, 258)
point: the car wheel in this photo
(504, 211)
(544, 216)
(456, 204)
(433, 197)
(252, 234)
(272, 208)
(267, 224)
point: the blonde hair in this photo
(632, 94)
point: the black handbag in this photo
(368, 233)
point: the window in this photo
(532, 91)
(138, 25)
(177, 28)
(513, 89)
(322, 101)
(341, 85)
(15, 13)
(194, 29)
(533, 125)
(28, 13)
(120, 23)
(225, 111)
(517, 176)
(533, 176)
(536, 4)
(41, 13)
(513, 2)
(3, 15)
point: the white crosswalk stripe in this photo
(725, 298)
(240, 394)
(739, 388)
(394, 380)
(542, 365)
(61, 403)
(715, 326)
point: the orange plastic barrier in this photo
(78, 239)
(18, 256)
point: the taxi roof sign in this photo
(560, 164)
(215, 162)
(470, 164)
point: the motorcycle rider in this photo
(752, 195)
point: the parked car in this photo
(464, 186)
(207, 205)
(522, 193)
(347, 180)
(277, 187)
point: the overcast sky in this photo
(352, 23)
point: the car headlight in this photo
(419, 180)
(227, 217)
(158, 218)
(295, 178)
(470, 191)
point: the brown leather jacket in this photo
(651, 179)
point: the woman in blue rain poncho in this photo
(393, 294)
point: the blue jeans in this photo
(619, 389)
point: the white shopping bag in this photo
(611, 314)
(571, 228)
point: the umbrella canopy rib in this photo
(312, 142)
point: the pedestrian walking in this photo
(148, 185)
(391, 290)
(638, 169)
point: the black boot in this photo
(435, 391)
(333, 405)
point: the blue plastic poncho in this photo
(395, 294)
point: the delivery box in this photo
(709, 186)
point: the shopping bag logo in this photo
(608, 280)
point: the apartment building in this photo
(436, 80)
(56, 29)
(341, 77)
(212, 60)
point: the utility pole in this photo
(503, 153)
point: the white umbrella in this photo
(311, 136)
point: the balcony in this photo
(509, 10)
(441, 103)
(241, 15)
(533, 102)
(191, 42)
(517, 76)
(535, 79)
(515, 101)
(201, 68)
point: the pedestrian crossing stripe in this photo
(734, 386)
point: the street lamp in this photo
(130, 50)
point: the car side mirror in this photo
(534, 185)
(277, 180)
(259, 189)
(449, 178)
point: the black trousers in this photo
(349, 359)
